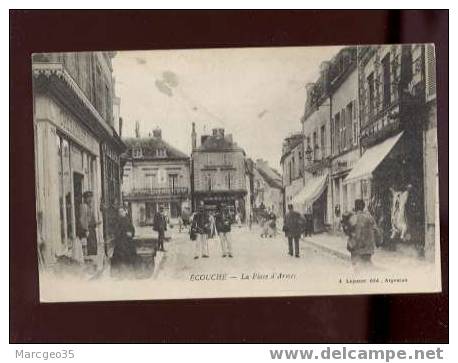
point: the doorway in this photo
(77, 196)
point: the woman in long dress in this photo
(125, 258)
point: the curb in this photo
(334, 252)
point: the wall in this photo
(137, 174)
(218, 165)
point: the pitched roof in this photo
(271, 176)
(150, 145)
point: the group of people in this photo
(359, 226)
(205, 225)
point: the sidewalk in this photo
(336, 245)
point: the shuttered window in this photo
(430, 72)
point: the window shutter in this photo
(430, 71)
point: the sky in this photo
(256, 94)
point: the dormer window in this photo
(137, 152)
(161, 153)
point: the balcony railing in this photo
(153, 192)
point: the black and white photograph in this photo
(236, 172)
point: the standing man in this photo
(223, 227)
(201, 225)
(363, 232)
(293, 228)
(88, 223)
(160, 226)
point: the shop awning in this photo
(312, 190)
(372, 158)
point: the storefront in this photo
(343, 194)
(213, 200)
(67, 165)
(314, 198)
(391, 186)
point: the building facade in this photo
(268, 190)
(219, 172)
(292, 164)
(316, 196)
(76, 146)
(390, 169)
(344, 129)
(155, 175)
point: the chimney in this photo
(137, 129)
(194, 136)
(120, 127)
(157, 133)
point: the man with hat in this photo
(160, 226)
(88, 223)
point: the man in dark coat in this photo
(160, 226)
(293, 227)
(363, 232)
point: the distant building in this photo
(219, 171)
(77, 148)
(155, 175)
(268, 188)
(292, 163)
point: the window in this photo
(173, 182)
(209, 182)
(386, 80)
(343, 129)
(160, 153)
(355, 124)
(107, 106)
(323, 140)
(370, 83)
(337, 133)
(228, 180)
(315, 145)
(349, 124)
(137, 152)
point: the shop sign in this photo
(70, 126)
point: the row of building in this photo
(369, 131)
(79, 147)
(218, 172)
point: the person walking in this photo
(272, 224)
(308, 216)
(201, 226)
(125, 259)
(160, 226)
(293, 227)
(363, 233)
(223, 226)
